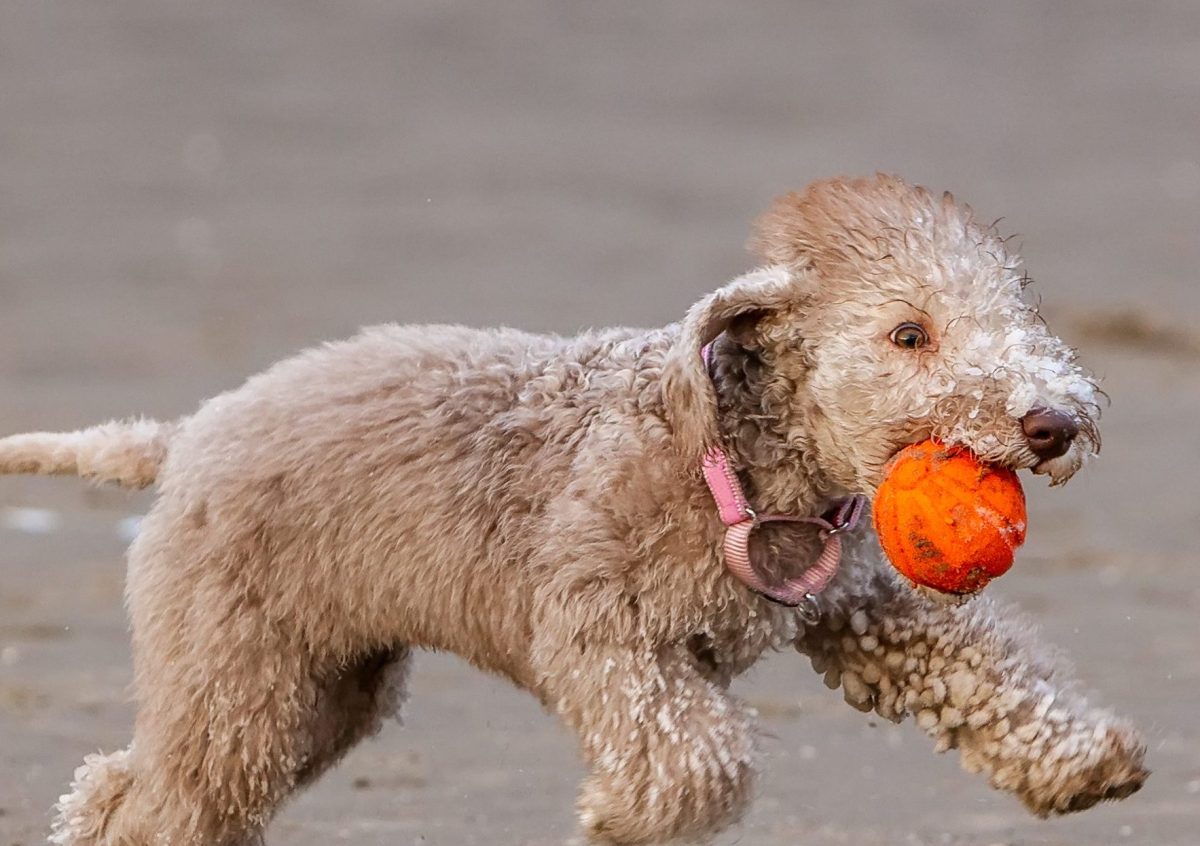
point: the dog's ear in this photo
(691, 403)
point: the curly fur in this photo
(534, 504)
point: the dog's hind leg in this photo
(976, 678)
(218, 744)
(352, 705)
(237, 708)
(211, 763)
(98, 789)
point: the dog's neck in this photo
(765, 438)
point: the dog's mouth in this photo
(1011, 453)
(1043, 467)
(1061, 468)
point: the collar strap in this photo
(740, 520)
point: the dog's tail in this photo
(128, 452)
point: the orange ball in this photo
(946, 520)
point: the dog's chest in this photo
(728, 647)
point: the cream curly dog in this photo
(536, 505)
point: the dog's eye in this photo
(910, 336)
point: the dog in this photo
(591, 518)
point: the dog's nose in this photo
(1049, 432)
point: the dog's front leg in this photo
(672, 755)
(976, 678)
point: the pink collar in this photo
(740, 520)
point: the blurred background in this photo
(190, 191)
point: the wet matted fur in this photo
(535, 505)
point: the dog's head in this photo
(888, 315)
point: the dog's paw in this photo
(609, 816)
(1109, 766)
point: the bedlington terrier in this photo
(539, 506)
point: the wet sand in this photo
(190, 191)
